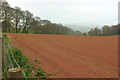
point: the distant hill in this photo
(84, 28)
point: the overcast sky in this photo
(75, 12)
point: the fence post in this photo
(15, 73)
(0, 58)
(3, 54)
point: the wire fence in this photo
(11, 62)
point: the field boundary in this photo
(13, 67)
(0, 58)
(7, 64)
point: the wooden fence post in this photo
(15, 73)
(0, 58)
(3, 54)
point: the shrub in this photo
(37, 60)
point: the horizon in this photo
(92, 13)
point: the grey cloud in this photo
(72, 11)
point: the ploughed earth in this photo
(71, 56)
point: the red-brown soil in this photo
(71, 56)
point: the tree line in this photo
(105, 31)
(15, 20)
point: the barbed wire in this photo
(8, 44)
(16, 62)
(8, 56)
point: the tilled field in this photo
(71, 56)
